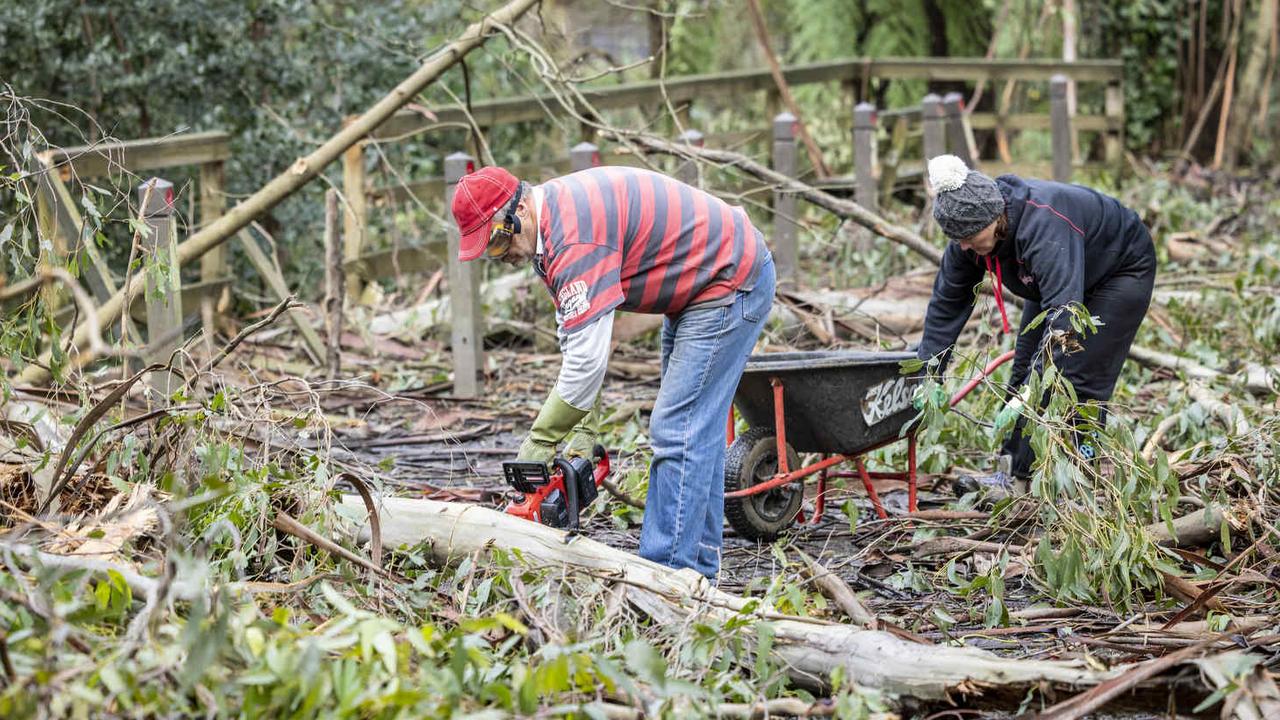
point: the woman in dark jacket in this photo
(1051, 244)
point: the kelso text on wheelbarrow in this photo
(884, 399)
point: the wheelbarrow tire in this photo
(750, 460)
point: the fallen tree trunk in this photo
(1256, 379)
(809, 649)
(898, 307)
(1198, 528)
(301, 172)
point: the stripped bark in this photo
(809, 649)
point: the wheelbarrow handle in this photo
(986, 372)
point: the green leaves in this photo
(646, 662)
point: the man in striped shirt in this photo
(615, 238)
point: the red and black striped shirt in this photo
(621, 237)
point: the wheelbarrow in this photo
(840, 405)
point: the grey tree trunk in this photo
(1245, 107)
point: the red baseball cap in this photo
(478, 197)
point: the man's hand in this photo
(585, 435)
(532, 450)
(554, 421)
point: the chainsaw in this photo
(556, 497)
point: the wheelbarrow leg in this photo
(911, 473)
(871, 489)
(780, 424)
(728, 427)
(820, 500)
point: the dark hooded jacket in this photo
(1061, 241)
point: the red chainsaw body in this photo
(545, 497)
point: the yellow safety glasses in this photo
(499, 240)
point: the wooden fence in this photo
(164, 312)
(853, 75)
(942, 124)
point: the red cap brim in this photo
(473, 243)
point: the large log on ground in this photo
(1201, 527)
(301, 172)
(810, 649)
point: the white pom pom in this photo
(946, 173)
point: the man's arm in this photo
(950, 305)
(585, 357)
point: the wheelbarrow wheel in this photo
(753, 459)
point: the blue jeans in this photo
(703, 353)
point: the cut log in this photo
(1198, 528)
(809, 649)
(1257, 379)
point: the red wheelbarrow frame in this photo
(823, 467)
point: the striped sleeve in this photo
(585, 283)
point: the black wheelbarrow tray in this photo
(838, 404)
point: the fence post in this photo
(213, 264)
(356, 214)
(687, 170)
(1060, 122)
(1113, 142)
(52, 242)
(959, 134)
(464, 293)
(335, 284)
(864, 154)
(583, 156)
(933, 123)
(785, 227)
(163, 286)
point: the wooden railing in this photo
(941, 122)
(735, 84)
(164, 310)
(681, 92)
(63, 224)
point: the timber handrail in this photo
(499, 111)
(137, 155)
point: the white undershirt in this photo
(584, 352)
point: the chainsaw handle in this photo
(569, 481)
(601, 465)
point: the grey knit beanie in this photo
(966, 201)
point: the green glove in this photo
(585, 435)
(1007, 416)
(554, 421)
